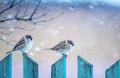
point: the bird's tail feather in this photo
(9, 52)
(47, 49)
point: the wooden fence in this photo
(58, 69)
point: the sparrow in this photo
(64, 47)
(24, 45)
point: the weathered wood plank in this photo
(85, 69)
(6, 67)
(113, 71)
(30, 67)
(59, 68)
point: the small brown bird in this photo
(24, 45)
(63, 47)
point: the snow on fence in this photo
(58, 69)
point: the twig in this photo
(46, 20)
(11, 6)
(26, 8)
(17, 27)
(5, 33)
(6, 42)
(35, 9)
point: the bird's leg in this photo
(64, 55)
(24, 53)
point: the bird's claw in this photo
(24, 53)
(64, 55)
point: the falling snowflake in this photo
(95, 19)
(31, 54)
(72, 8)
(116, 26)
(42, 44)
(11, 29)
(5, 2)
(61, 27)
(4, 37)
(91, 7)
(56, 32)
(37, 49)
(101, 22)
(115, 17)
(10, 16)
(101, 3)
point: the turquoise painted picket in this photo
(85, 69)
(30, 67)
(6, 67)
(59, 68)
(113, 71)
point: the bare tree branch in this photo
(46, 20)
(44, 14)
(25, 13)
(13, 4)
(6, 42)
(3, 33)
(35, 10)
(25, 17)
(17, 27)
(26, 9)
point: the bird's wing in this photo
(60, 45)
(20, 44)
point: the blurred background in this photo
(93, 25)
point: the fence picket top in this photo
(116, 63)
(84, 61)
(30, 67)
(85, 69)
(61, 60)
(59, 68)
(27, 57)
(9, 55)
(6, 67)
(113, 71)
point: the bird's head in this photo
(70, 42)
(29, 37)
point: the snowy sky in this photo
(95, 31)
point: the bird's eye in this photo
(63, 45)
